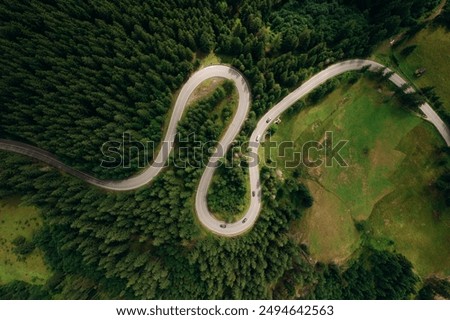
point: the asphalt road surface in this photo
(205, 216)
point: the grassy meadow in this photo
(18, 220)
(391, 161)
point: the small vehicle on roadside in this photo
(245, 220)
(223, 226)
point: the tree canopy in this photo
(77, 74)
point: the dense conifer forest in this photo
(76, 74)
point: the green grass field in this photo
(17, 220)
(420, 227)
(432, 53)
(390, 156)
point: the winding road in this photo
(205, 216)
